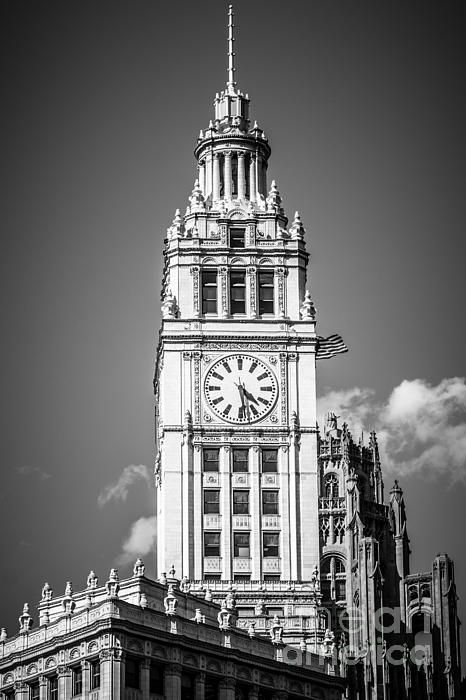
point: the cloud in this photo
(118, 491)
(420, 427)
(26, 470)
(140, 541)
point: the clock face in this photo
(240, 389)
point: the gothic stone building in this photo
(282, 525)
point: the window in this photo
(211, 544)
(275, 611)
(95, 674)
(238, 291)
(240, 502)
(265, 280)
(245, 612)
(187, 686)
(210, 459)
(213, 577)
(240, 460)
(211, 688)
(132, 673)
(271, 577)
(209, 292)
(241, 544)
(237, 236)
(270, 544)
(331, 486)
(77, 679)
(242, 577)
(211, 502)
(270, 502)
(333, 579)
(269, 460)
(340, 589)
(34, 691)
(53, 688)
(156, 677)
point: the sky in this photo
(101, 105)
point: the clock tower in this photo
(236, 463)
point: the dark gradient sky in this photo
(365, 107)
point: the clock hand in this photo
(250, 397)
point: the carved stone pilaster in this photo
(280, 274)
(195, 272)
(223, 275)
(283, 387)
(252, 292)
(197, 386)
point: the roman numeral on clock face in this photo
(266, 388)
(215, 401)
(264, 375)
(253, 367)
(216, 375)
(227, 367)
(227, 410)
(264, 401)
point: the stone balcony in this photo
(212, 521)
(270, 522)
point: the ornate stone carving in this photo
(223, 274)
(195, 272)
(252, 291)
(169, 306)
(307, 310)
(139, 568)
(197, 386)
(113, 584)
(280, 273)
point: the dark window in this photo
(210, 458)
(211, 544)
(240, 460)
(95, 674)
(241, 544)
(271, 577)
(34, 691)
(77, 680)
(237, 236)
(266, 293)
(242, 577)
(238, 292)
(340, 589)
(132, 673)
(213, 577)
(270, 542)
(211, 691)
(209, 292)
(269, 460)
(246, 612)
(53, 688)
(270, 502)
(211, 501)
(240, 502)
(156, 679)
(325, 589)
(187, 686)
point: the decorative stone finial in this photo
(68, 602)
(259, 608)
(196, 198)
(297, 230)
(170, 601)
(198, 617)
(276, 631)
(169, 306)
(139, 568)
(25, 620)
(69, 589)
(172, 571)
(307, 310)
(47, 591)
(328, 645)
(185, 585)
(158, 470)
(113, 584)
(3, 635)
(176, 229)
(163, 579)
(303, 645)
(208, 595)
(274, 201)
(226, 617)
(92, 580)
(143, 601)
(252, 629)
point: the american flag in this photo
(329, 347)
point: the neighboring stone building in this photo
(290, 557)
(138, 639)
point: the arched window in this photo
(333, 579)
(331, 486)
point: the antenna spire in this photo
(231, 56)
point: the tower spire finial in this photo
(231, 56)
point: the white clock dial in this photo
(240, 389)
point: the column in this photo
(256, 529)
(21, 691)
(202, 176)
(43, 688)
(199, 692)
(253, 693)
(227, 689)
(173, 682)
(216, 183)
(225, 495)
(64, 682)
(198, 525)
(241, 176)
(288, 529)
(227, 174)
(105, 675)
(251, 293)
(86, 669)
(145, 679)
(252, 178)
